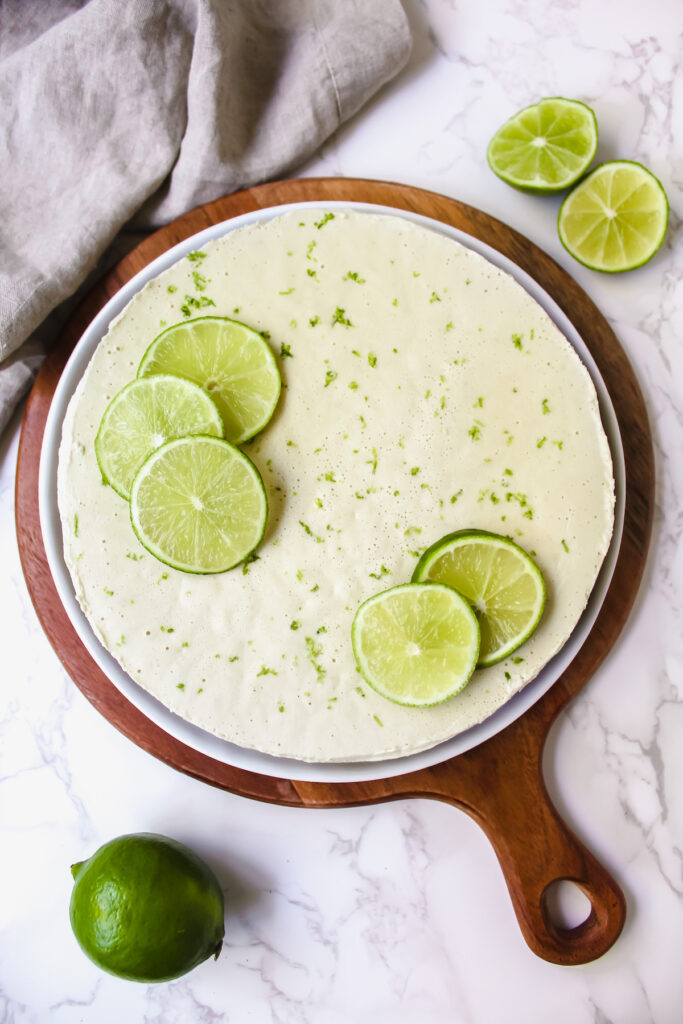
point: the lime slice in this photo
(616, 218)
(416, 644)
(545, 147)
(144, 415)
(230, 361)
(198, 504)
(498, 578)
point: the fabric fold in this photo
(127, 115)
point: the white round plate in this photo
(205, 742)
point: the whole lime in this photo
(146, 908)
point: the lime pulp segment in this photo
(416, 644)
(545, 147)
(199, 504)
(498, 578)
(144, 415)
(616, 218)
(233, 364)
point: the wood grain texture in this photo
(500, 782)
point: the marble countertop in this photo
(398, 913)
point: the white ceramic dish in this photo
(203, 741)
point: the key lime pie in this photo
(424, 392)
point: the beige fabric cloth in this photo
(125, 114)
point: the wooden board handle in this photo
(500, 785)
(535, 856)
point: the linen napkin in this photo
(119, 116)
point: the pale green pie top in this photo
(424, 392)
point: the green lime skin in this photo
(146, 908)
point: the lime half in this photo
(616, 218)
(230, 361)
(500, 581)
(144, 415)
(199, 504)
(545, 147)
(146, 908)
(416, 644)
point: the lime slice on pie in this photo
(500, 581)
(545, 147)
(230, 361)
(416, 644)
(144, 415)
(199, 504)
(616, 218)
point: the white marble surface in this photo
(398, 913)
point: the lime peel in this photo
(147, 908)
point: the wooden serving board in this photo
(500, 782)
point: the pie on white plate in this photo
(425, 391)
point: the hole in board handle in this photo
(565, 904)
